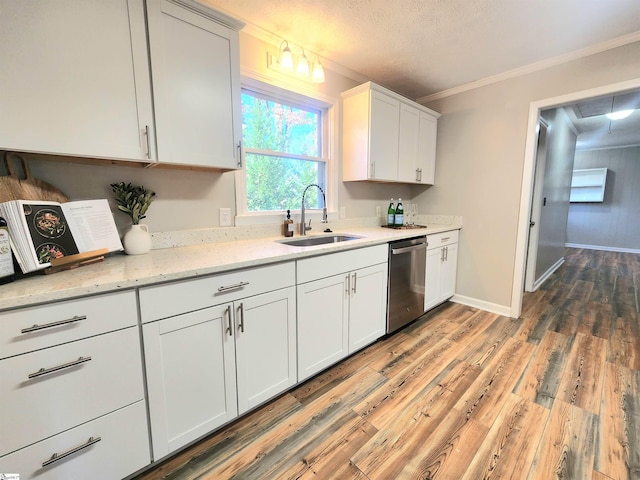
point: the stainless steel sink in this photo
(318, 240)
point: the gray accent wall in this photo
(615, 223)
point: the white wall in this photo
(614, 223)
(479, 170)
(552, 225)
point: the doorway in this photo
(527, 190)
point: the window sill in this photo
(273, 218)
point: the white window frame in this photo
(329, 107)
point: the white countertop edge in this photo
(120, 272)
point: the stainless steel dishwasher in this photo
(407, 263)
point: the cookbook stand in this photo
(73, 261)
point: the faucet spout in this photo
(303, 226)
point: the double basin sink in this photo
(318, 240)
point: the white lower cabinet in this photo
(207, 366)
(109, 447)
(442, 262)
(343, 312)
(72, 390)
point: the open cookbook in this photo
(41, 231)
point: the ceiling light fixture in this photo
(303, 66)
(304, 69)
(317, 75)
(285, 58)
(619, 115)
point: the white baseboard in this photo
(482, 305)
(600, 247)
(547, 274)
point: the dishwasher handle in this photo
(419, 246)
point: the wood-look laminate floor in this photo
(463, 394)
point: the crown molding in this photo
(534, 67)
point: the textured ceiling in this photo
(420, 47)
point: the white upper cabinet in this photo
(386, 137)
(196, 84)
(81, 79)
(75, 78)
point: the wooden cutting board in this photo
(14, 187)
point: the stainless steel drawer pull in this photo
(354, 282)
(59, 456)
(148, 138)
(241, 308)
(445, 239)
(229, 327)
(347, 282)
(233, 287)
(45, 371)
(37, 327)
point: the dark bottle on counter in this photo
(288, 225)
(391, 215)
(399, 217)
(7, 273)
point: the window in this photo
(284, 152)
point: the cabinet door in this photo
(448, 275)
(408, 144)
(367, 306)
(265, 332)
(196, 87)
(383, 137)
(75, 78)
(190, 363)
(433, 280)
(323, 309)
(427, 148)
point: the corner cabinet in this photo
(442, 263)
(195, 67)
(342, 299)
(89, 79)
(387, 137)
(216, 347)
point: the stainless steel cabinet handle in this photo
(148, 138)
(354, 282)
(348, 284)
(442, 255)
(445, 239)
(420, 179)
(233, 287)
(229, 328)
(397, 251)
(446, 253)
(45, 371)
(37, 327)
(239, 147)
(373, 169)
(59, 456)
(241, 325)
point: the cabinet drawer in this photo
(44, 326)
(123, 448)
(174, 298)
(444, 238)
(323, 266)
(79, 391)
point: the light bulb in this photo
(303, 66)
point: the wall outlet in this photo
(225, 217)
(378, 211)
(343, 212)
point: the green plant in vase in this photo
(134, 200)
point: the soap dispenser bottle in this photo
(288, 225)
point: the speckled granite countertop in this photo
(178, 262)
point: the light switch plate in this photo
(225, 217)
(343, 212)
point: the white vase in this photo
(137, 240)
